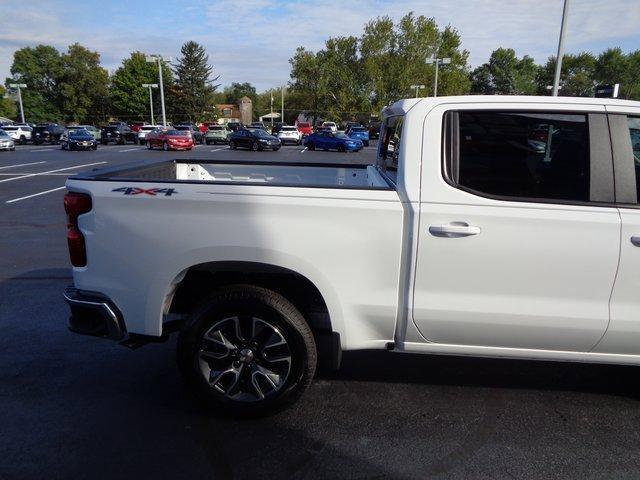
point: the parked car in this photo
(481, 247)
(304, 128)
(374, 130)
(359, 133)
(119, 133)
(233, 126)
(142, 133)
(95, 132)
(330, 125)
(135, 126)
(78, 139)
(6, 142)
(195, 133)
(47, 132)
(19, 133)
(288, 134)
(169, 139)
(217, 134)
(332, 141)
(348, 125)
(257, 125)
(277, 126)
(256, 139)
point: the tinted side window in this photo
(389, 145)
(634, 131)
(527, 155)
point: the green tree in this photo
(613, 66)
(129, 99)
(194, 85)
(505, 74)
(40, 68)
(236, 91)
(7, 105)
(577, 75)
(82, 85)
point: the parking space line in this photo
(34, 195)
(15, 174)
(216, 150)
(42, 150)
(50, 171)
(303, 150)
(128, 150)
(22, 165)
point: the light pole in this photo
(18, 86)
(563, 26)
(438, 62)
(151, 86)
(418, 87)
(272, 111)
(282, 105)
(158, 58)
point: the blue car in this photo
(360, 133)
(332, 141)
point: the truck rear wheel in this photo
(247, 350)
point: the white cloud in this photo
(252, 40)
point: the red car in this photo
(304, 128)
(204, 126)
(135, 126)
(169, 139)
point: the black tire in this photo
(121, 141)
(311, 146)
(165, 146)
(255, 146)
(274, 314)
(104, 143)
(62, 147)
(232, 145)
(366, 144)
(275, 149)
(23, 140)
(341, 148)
(95, 147)
(149, 146)
(207, 142)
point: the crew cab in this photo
(460, 239)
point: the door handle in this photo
(636, 240)
(454, 230)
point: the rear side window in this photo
(634, 132)
(519, 154)
(389, 146)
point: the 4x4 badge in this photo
(147, 191)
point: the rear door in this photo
(623, 334)
(519, 238)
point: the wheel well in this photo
(200, 280)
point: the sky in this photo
(252, 40)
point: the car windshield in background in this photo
(182, 127)
(111, 129)
(258, 132)
(3, 133)
(79, 132)
(181, 133)
(358, 129)
(341, 135)
(289, 129)
(216, 128)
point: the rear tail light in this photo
(75, 204)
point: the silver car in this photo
(6, 142)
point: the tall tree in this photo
(129, 99)
(7, 105)
(194, 85)
(236, 91)
(505, 74)
(40, 68)
(82, 85)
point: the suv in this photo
(119, 133)
(20, 133)
(217, 133)
(290, 134)
(47, 132)
(196, 134)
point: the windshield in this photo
(3, 133)
(182, 127)
(258, 132)
(180, 133)
(10, 129)
(289, 129)
(358, 129)
(79, 132)
(147, 129)
(216, 128)
(341, 135)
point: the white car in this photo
(142, 133)
(6, 142)
(461, 239)
(330, 125)
(19, 133)
(289, 134)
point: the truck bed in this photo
(317, 175)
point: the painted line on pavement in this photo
(50, 171)
(42, 150)
(29, 173)
(22, 165)
(303, 150)
(216, 150)
(34, 195)
(128, 150)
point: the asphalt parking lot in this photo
(78, 407)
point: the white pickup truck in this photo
(489, 226)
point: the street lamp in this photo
(272, 111)
(563, 26)
(18, 86)
(438, 62)
(282, 104)
(151, 86)
(418, 87)
(159, 59)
